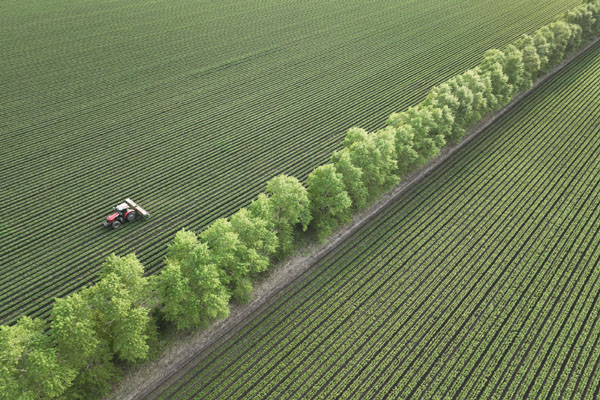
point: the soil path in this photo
(186, 350)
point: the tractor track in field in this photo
(174, 366)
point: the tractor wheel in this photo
(116, 224)
(131, 216)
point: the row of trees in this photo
(76, 353)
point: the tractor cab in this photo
(121, 208)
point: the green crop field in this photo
(482, 281)
(189, 107)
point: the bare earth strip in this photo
(184, 352)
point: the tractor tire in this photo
(131, 216)
(116, 224)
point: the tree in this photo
(291, 206)
(104, 320)
(375, 155)
(513, 66)
(183, 246)
(257, 235)
(30, 368)
(231, 257)
(329, 201)
(446, 107)
(177, 301)
(585, 16)
(532, 64)
(130, 272)
(443, 123)
(351, 177)
(118, 304)
(481, 99)
(189, 288)
(565, 38)
(594, 7)
(80, 347)
(420, 122)
(385, 143)
(262, 207)
(493, 66)
(542, 40)
(74, 330)
(406, 154)
(192, 298)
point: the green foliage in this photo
(375, 155)
(493, 66)
(406, 154)
(585, 16)
(594, 8)
(565, 38)
(484, 98)
(420, 123)
(74, 331)
(182, 248)
(514, 67)
(117, 304)
(189, 288)
(192, 302)
(90, 329)
(351, 177)
(80, 346)
(105, 320)
(129, 272)
(291, 206)
(95, 380)
(258, 236)
(178, 303)
(446, 104)
(330, 203)
(232, 258)
(262, 208)
(532, 63)
(385, 143)
(228, 139)
(542, 40)
(395, 332)
(30, 368)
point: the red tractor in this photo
(128, 211)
